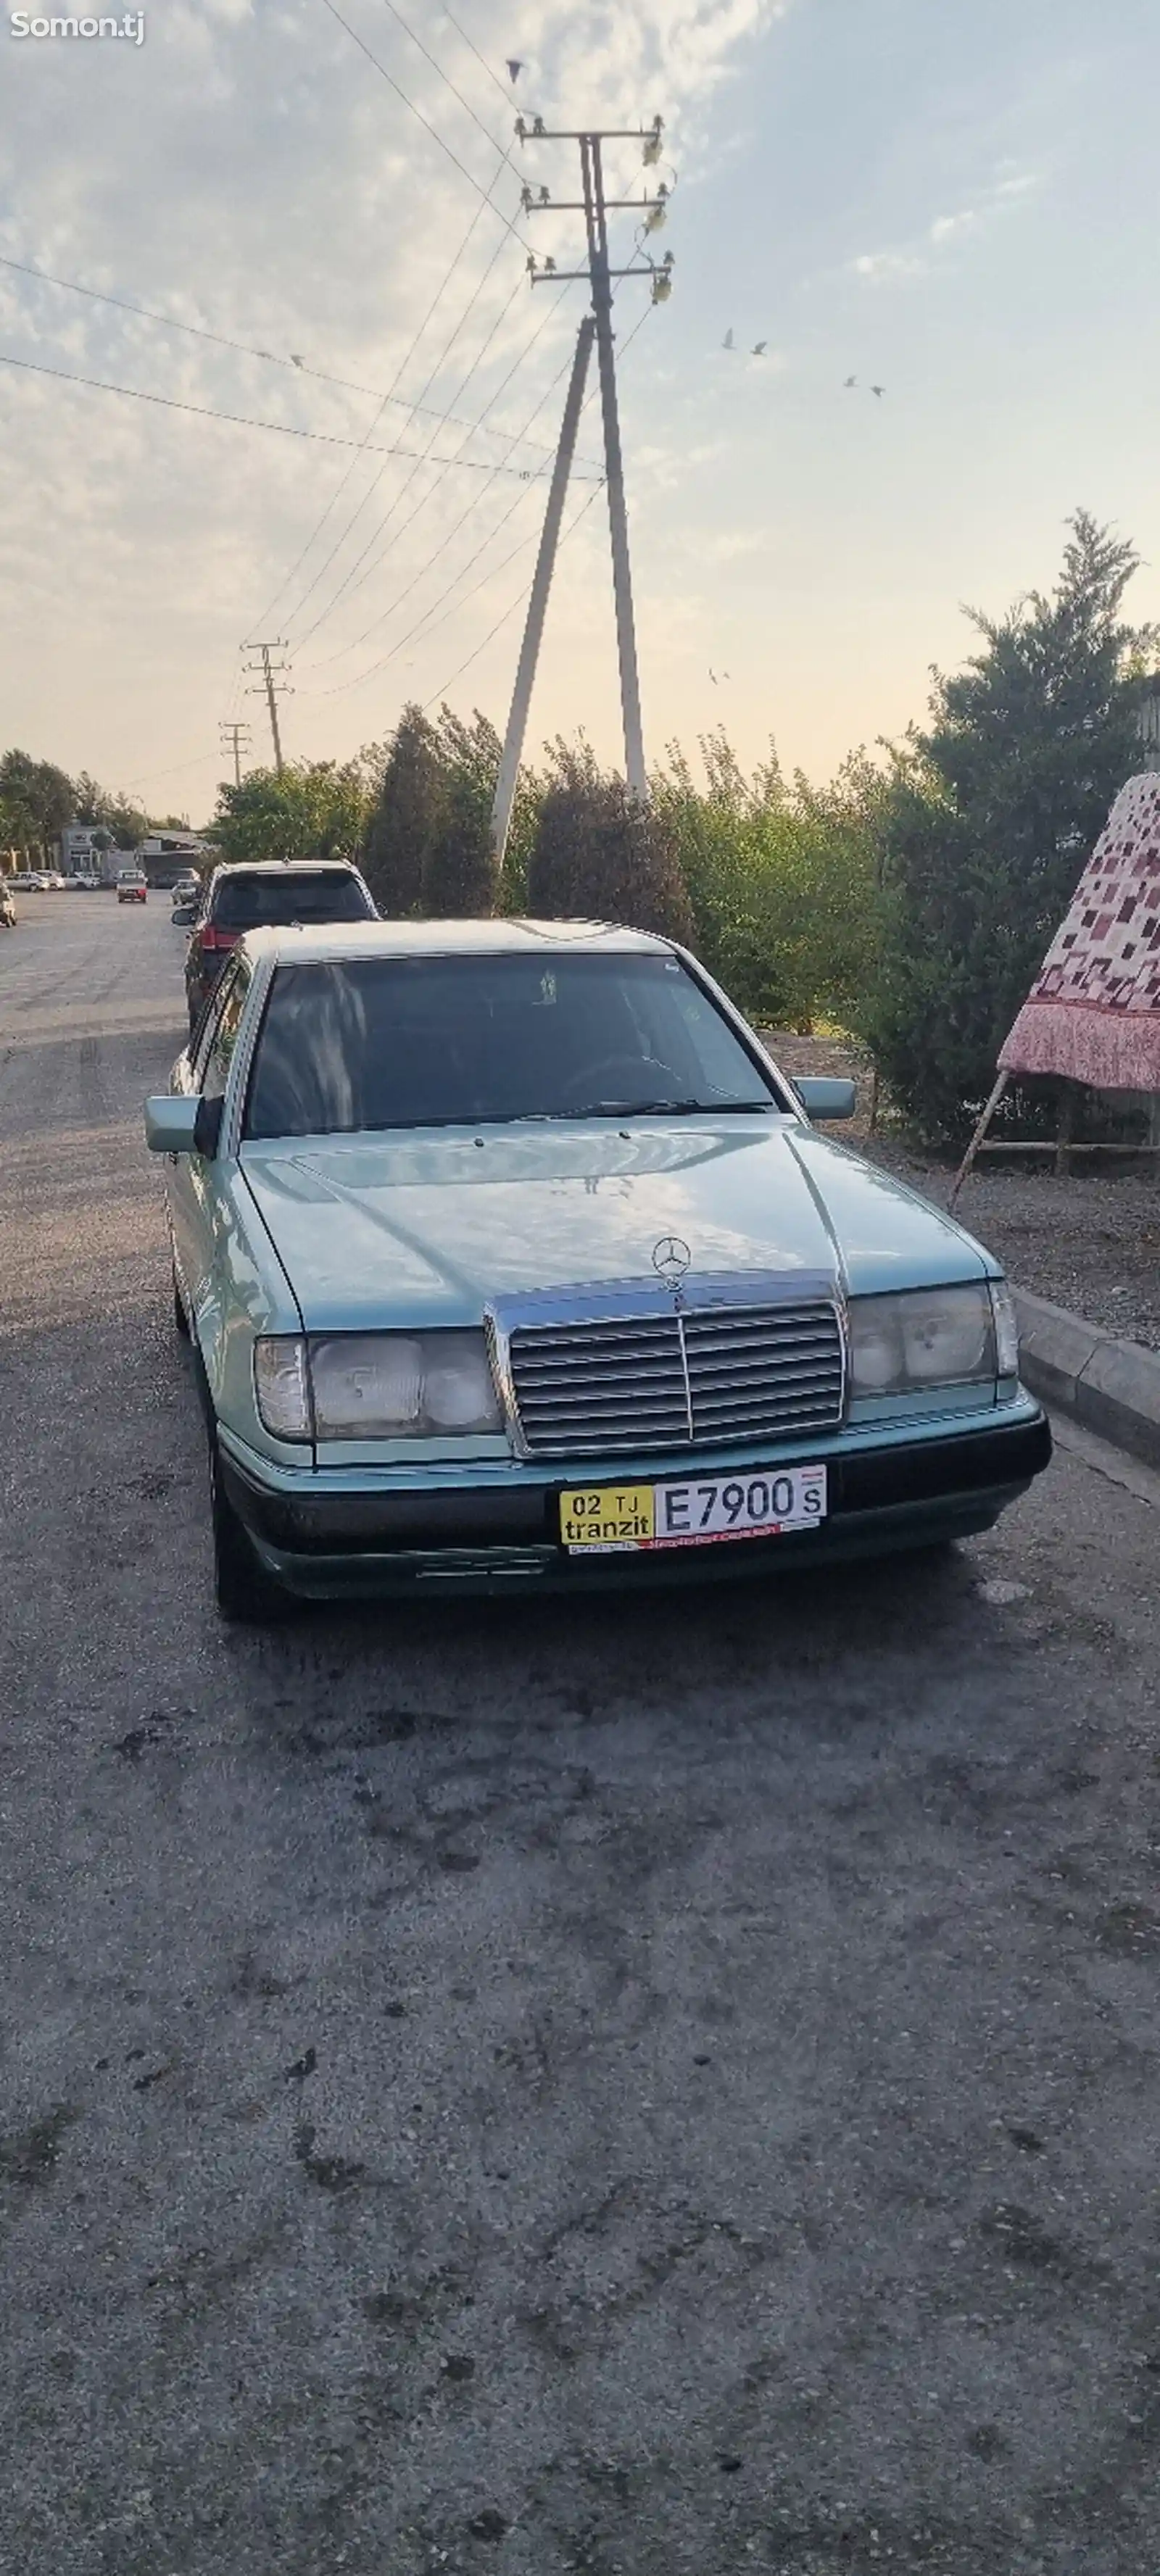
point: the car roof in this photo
(315, 943)
(285, 867)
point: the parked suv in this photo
(271, 894)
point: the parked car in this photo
(83, 883)
(131, 886)
(270, 893)
(34, 881)
(7, 906)
(186, 887)
(510, 1258)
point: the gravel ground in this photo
(1090, 1241)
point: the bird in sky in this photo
(849, 382)
(879, 390)
(717, 677)
(514, 69)
(296, 362)
(727, 342)
(759, 348)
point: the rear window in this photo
(253, 902)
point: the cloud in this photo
(878, 266)
(887, 267)
(947, 228)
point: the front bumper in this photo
(484, 1537)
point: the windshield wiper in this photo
(671, 1108)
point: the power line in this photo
(428, 618)
(413, 631)
(397, 602)
(424, 121)
(245, 348)
(480, 58)
(509, 611)
(372, 425)
(280, 428)
(445, 77)
(488, 201)
(418, 460)
(350, 585)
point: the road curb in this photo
(1111, 1386)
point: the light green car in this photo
(510, 1259)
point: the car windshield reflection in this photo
(364, 1045)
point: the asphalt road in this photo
(666, 2088)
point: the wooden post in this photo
(1066, 1128)
(977, 1138)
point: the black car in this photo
(268, 894)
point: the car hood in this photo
(427, 1228)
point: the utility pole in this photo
(269, 686)
(509, 767)
(595, 207)
(231, 735)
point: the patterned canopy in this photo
(1094, 1011)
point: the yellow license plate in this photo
(615, 1517)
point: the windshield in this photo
(252, 901)
(435, 1041)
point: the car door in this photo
(193, 1185)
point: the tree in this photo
(403, 822)
(313, 809)
(39, 799)
(990, 817)
(780, 879)
(459, 871)
(599, 856)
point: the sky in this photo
(958, 203)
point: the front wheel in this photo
(180, 1317)
(244, 1592)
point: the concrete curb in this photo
(1113, 1387)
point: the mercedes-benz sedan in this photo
(510, 1259)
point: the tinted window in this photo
(395, 1042)
(250, 901)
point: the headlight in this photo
(376, 1386)
(925, 1337)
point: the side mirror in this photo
(182, 1122)
(171, 1123)
(184, 914)
(825, 1096)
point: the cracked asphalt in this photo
(535, 2088)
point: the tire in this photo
(180, 1318)
(244, 1592)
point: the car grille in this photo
(705, 1377)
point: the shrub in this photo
(405, 816)
(598, 856)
